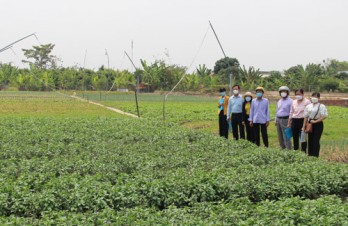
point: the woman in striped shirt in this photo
(296, 118)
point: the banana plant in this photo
(249, 76)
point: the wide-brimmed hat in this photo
(248, 94)
(260, 88)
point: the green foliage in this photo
(191, 82)
(328, 210)
(40, 104)
(342, 75)
(332, 66)
(7, 73)
(85, 169)
(204, 75)
(124, 79)
(151, 73)
(68, 162)
(203, 71)
(330, 84)
(224, 67)
(306, 78)
(272, 82)
(162, 76)
(41, 56)
(343, 86)
(249, 77)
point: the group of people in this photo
(245, 114)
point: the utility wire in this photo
(192, 62)
(184, 74)
(30, 71)
(124, 55)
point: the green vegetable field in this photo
(66, 162)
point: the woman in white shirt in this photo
(315, 113)
(296, 118)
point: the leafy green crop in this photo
(56, 170)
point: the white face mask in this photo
(314, 100)
(299, 97)
(235, 91)
(282, 94)
(248, 99)
(259, 94)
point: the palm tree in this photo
(204, 74)
(152, 73)
(249, 76)
(7, 72)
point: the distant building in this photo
(265, 74)
(145, 88)
(122, 90)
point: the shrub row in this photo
(78, 166)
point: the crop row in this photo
(328, 210)
(84, 165)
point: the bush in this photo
(329, 84)
(100, 169)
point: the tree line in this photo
(44, 74)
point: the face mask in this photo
(235, 91)
(299, 97)
(248, 99)
(282, 94)
(314, 100)
(223, 94)
(259, 94)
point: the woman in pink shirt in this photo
(296, 118)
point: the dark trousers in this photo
(314, 139)
(296, 127)
(223, 125)
(256, 128)
(249, 130)
(237, 122)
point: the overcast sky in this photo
(266, 34)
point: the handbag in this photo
(303, 137)
(309, 126)
(288, 133)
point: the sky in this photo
(266, 34)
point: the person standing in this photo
(283, 109)
(246, 112)
(315, 113)
(296, 118)
(222, 105)
(260, 116)
(235, 112)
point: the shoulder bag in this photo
(309, 126)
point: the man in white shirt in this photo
(235, 112)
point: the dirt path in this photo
(103, 106)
